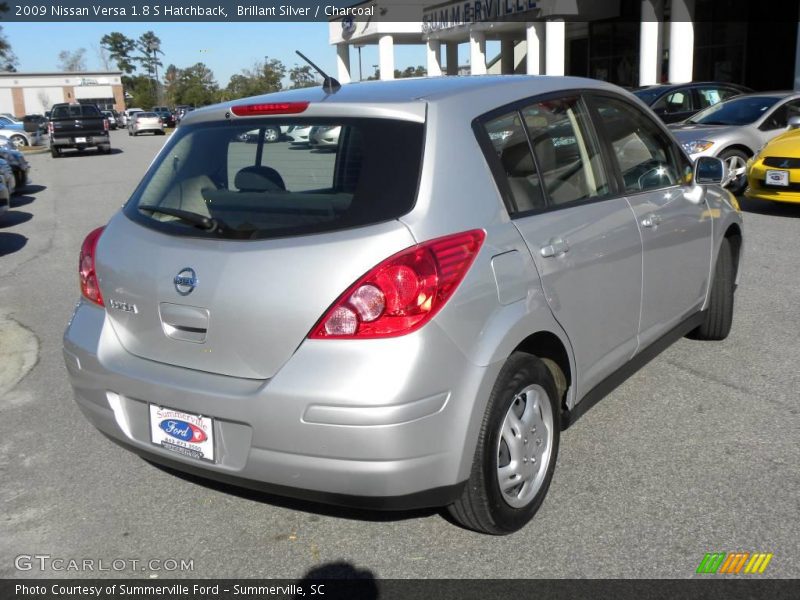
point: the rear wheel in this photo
(736, 163)
(55, 152)
(516, 452)
(719, 316)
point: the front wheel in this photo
(516, 452)
(736, 164)
(19, 141)
(272, 135)
(719, 315)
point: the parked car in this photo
(324, 136)
(678, 101)
(408, 321)
(7, 175)
(5, 199)
(166, 116)
(35, 124)
(142, 122)
(7, 122)
(19, 138)
(128, 114)
(78, 126)
(735, 129)
(774, 172)
(270, 134)
(112, 120)
(19, 164)
(299, 134)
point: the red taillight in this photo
(273, 108)
(403, 292)
(89, 287)
(49, 127)
(105, 124)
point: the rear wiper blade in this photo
(195, 219)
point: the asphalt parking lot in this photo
(697, 453)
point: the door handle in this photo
(554, 247)
(652, 220)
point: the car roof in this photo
(482, 92)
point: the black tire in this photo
(719, 316)
(483, 506)
(19, 181)
(55, 152)
(730, 157)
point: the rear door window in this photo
(248, 183)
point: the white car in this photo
(20, 138)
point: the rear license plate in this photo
(80, 140)
(183, 433)
(779, 178)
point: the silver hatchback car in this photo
(412, 319)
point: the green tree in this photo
(142, 93)
(194, 85)
(8, 60)
(119, 48)
(263, 78)
(302, 77)
(149, 47)
(72, 61)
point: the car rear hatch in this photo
(228, 253)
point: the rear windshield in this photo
(259, 180)
(145, 115)
(75, 110)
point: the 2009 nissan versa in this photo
(411, 319)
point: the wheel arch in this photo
(734, 236)
(549, 347)
(741, 147)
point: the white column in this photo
(343, 62)
(477, 52)
(534, 35)
(648, 44)
(681, 42)
(452, 58)
(507, 56)
(797, 59)
(386, 56)
(555, 39)
(434, 58)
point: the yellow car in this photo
(774, 173)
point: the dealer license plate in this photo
(780, 178)
(183, 433)
(80, 140)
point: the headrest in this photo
(259, 179)
(517, 160)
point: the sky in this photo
(226, 48)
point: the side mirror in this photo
(708, 169)
(794, 122)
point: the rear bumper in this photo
(391, 431)
(72, 141)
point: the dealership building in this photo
(34, 93)
(627, 42)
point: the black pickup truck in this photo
(78, 126)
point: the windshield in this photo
(262, 179)
(737, 111)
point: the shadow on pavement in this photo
(767, 207)
(11, 242)
(92, 152)
(14, 217)
(361, 583)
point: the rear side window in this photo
(256, 180)
(75, 110)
